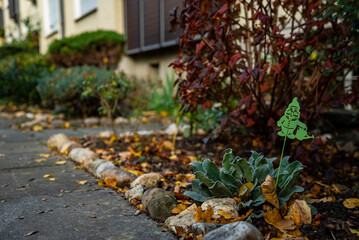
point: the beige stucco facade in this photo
(26, 10)
(109, 15)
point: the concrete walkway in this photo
(60, 209)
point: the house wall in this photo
(108, 16)
(26, 9)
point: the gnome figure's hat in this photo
(294, 103)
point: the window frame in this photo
(78, 15)
(143, 48)
(47, 19)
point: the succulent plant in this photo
(241, 178)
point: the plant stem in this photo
(175, 135)
(280, 162)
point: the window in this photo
(51, 16)
(14, 10)
(84, 7)
(148, 24)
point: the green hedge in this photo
(18, 77)
(99, 48)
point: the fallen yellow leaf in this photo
(37, 128)
(47, 175)
(2, 155)
(144, 164)
(81, 182)
(60, 162)
(248, 185)
(66, 125)
(224, 214)
(52, 179)
(110, 182)
(112, 139)
(354, 231)
(45, 155)
(351, 203)
(164, 114)
(180, 207)
(40, 160)
(173, 157)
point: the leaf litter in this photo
(155, 153)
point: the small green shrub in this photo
(19, 75)
(99, 48)
(110, 89)
(243, 178)
(162, 100)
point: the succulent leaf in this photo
(197, 196)
(197, 167)
(220, 190)
(211, 169)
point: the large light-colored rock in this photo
(121, 120)
(183, 221)
(149, 195)
(41, 117)
(235, 231)
(57, 123)
(201, 228)
(19, 114)
(31, 123)
(94, 165)
(82, 155)
(149, 180)
(30, 115)
(122, 177)
(92, 121)
(102, 167)
(55, 141)
(135, 193)
(66, 147)
(229, 205)
(171, 129)
(105, 134)
(160, 207)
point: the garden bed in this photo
(155, 153)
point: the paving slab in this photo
(60, 209)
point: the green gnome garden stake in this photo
(291, 127)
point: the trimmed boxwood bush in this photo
(99, 48)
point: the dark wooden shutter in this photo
(13, 9)
(168, 6)
(151, 11)
(132, 24)
(1, 19)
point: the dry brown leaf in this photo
(268, 190)
(110, 182)
(274, 218)
(167, 145)
(351, 203)
(180, 207)
(205, 216)
(31, 233)
(81, 182)
(301, 212)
